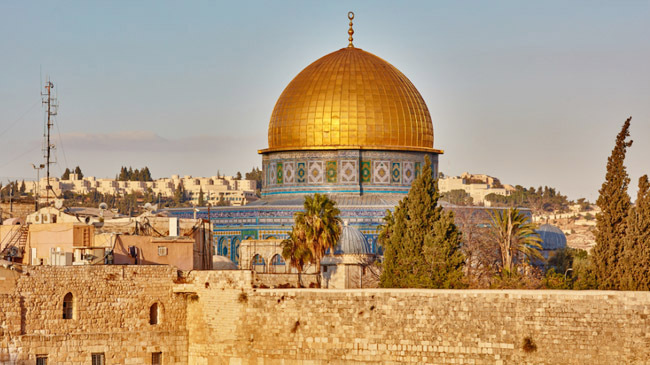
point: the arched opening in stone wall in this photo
(154, 314)
(68, 306)
(278, 265)
(258, 264)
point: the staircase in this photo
(17, 237)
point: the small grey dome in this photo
(552, 237)
(222, 263)
(351, 242)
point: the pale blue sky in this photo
(533, 93)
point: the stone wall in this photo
(283, 280)
(110, 315)
(19, 210)
(219, 317)
(251, 326)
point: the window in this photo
(162, 251)
(98, 359)
(153, 314)
(156, 358)
(258, 263)
(68, 306)
(278, 265)
(41, 359)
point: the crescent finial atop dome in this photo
(350, 31)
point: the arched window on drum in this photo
(234, 250)
(258, 264)
(278, 265)
(223, 248)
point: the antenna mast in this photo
(51, 111)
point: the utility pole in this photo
(51, 111)
(11, 195)
(210, 232)
(38, 182)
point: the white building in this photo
(236, 192)
(477, 186)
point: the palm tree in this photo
(296, 253)
(320, 226)
(515, 234)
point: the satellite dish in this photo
(13, 251)
(147, 206)
(103, 206)
(58, 203)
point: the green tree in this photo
(320, 226)
(636, 257)
(296, 252)
(539, 200)
(421, 242)
(146, 174)
(222, 202)
(569, 268)
(22, 187)
(457, 197)
(179, 194)
(77, 170)
(583, 274)
(611, 222)
(123, 174)
(66, 174)
(201, 198)
(515, 235)
(255, 174)
(238, 176)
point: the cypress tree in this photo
(421, 241)
(201, 198)
(636, 258)
(611, 222)
(146, 174)
(66, 174)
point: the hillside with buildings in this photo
(548, 206)
(213, 189)
(476, 188)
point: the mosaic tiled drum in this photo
(350, 125)
(341, 172)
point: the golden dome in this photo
(350, 99)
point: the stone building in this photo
(478, 186)
(351, 263)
